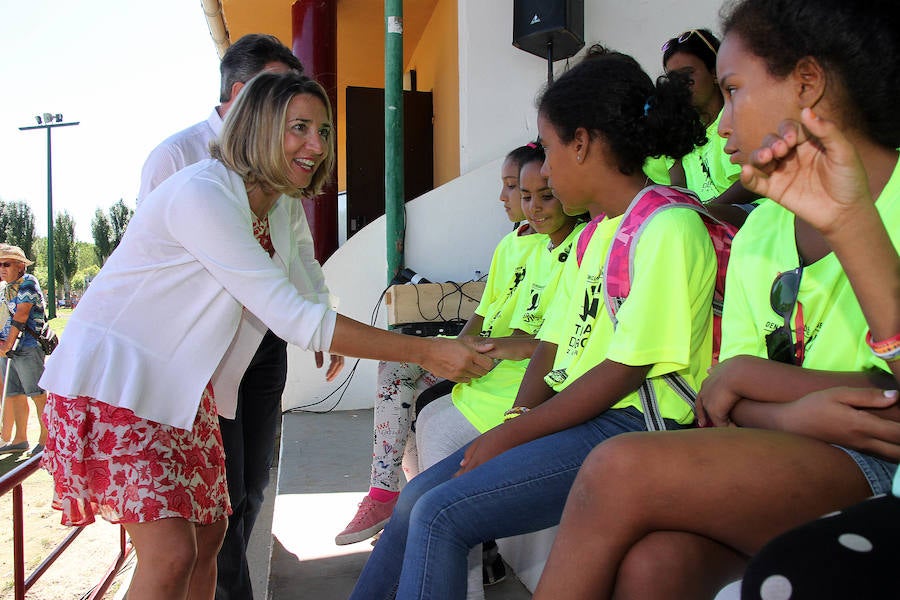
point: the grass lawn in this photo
(62, 317)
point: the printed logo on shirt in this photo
(530, 316)
(708, 186)
(518, 276)
(590, 308)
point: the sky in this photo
(132, 73)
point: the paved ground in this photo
(324, 473)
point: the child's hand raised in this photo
(811, 169)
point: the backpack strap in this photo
(618, 273)
(653, 418)
(21, 326)
(584, 238)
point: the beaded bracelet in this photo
(887, 350)
(514, 412)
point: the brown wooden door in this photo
(365, 152)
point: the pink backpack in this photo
(619, 270)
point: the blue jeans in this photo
(438, 518)
(249, 441)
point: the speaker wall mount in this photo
(550, 29)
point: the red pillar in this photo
(314, 32)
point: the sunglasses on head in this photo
(684, 37)
(780, 345)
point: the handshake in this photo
(469, 357)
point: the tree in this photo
(87, 255)
(64, 251)
(101, 230)
(17, 225)
(119, 215)
(5, 218)
(39, 269)
(83, 277)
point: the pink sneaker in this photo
(371, 518)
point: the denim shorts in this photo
(877, 471)
(25, 370)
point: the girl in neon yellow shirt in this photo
(399, 384)
(783, 451)
(706, 170)
(455, 419)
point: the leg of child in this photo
(394, 406)
(634, 485)
(440, 518)
(441, 430)
(411, 462)
(672, 565)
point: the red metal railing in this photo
(12, 481)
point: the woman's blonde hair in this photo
(252, 140)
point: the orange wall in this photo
(360, 63)
(436, 62)
(429, 46)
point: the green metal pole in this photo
(51, 272)
(393, 136)
(51, 267)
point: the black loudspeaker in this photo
(551, 29)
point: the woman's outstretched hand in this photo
(459, 360)
(812, 169)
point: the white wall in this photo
(499, 82)
(450, 233)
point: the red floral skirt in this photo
(106, 460)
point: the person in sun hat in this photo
(23, 310)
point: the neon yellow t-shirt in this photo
(508, 266)
(538, 289)
(484, 400)
(708, 171)
(657, 169)
(666, 321)
(834, 325)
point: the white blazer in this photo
(296, 256)
(156, 323)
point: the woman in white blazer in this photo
(133, 428)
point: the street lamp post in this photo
(48, 121)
